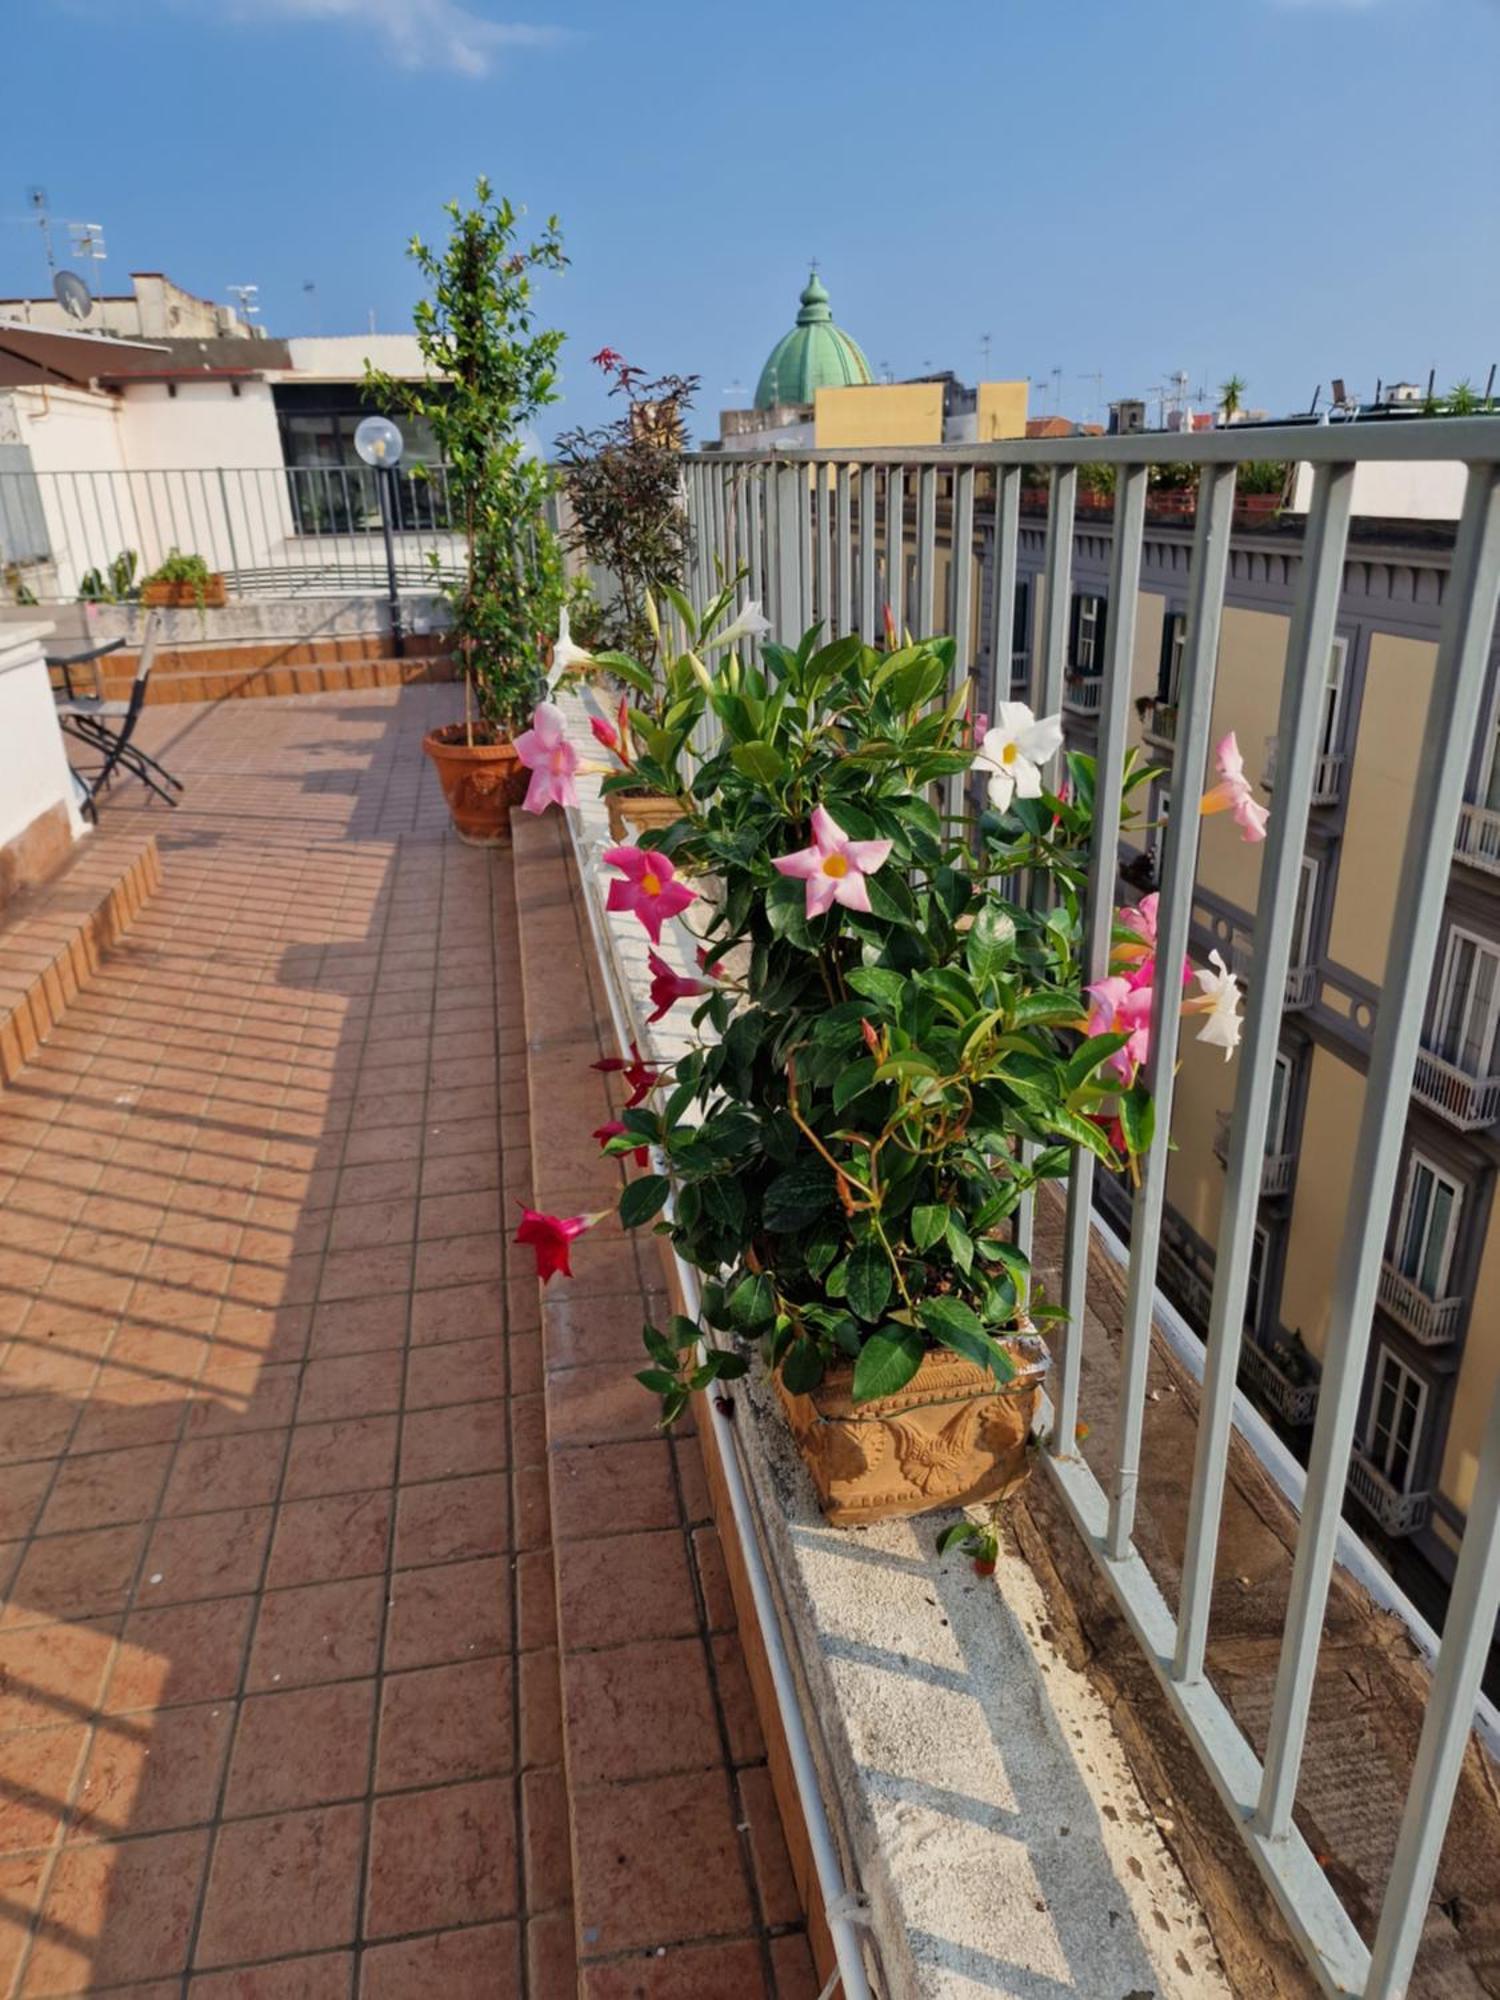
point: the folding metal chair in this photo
(108, 726)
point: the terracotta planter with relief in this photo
(950, 1438)
(481, 780)
(632, 813)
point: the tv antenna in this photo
(247, 296)
(37, 196)
(310, 293)
(88, 242)
(72, 294)
(984, 351)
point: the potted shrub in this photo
(1096, 489)
(1261, 489)
(492, 372)
(182, 580)
(1172, 491)
(885, 1023)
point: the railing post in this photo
(1003, 598)
(1453, 715)
(234, 560)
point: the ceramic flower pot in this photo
(632, 813)
(950, 1438)
(481, 782)
(185, 595)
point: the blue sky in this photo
(1286, 189)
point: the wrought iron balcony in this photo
(1434, 1322)
(1478, 838)
(1398, 1513)
(1159, 723)
(1301, 980)
(1470, 1102)
(1275, 1168)
(1020, 674)
(1294, 1402)
(1083, 694)
(1328, 774)
(1184, 1284)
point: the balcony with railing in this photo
(1294, 1401)
(1275, 1169)
(1397, 1512)
(1083, 694)
(1477, 841)
(1301, 980)
(1159, 722)
(1328, 774)
(1433, 1322)
(1472, 1103)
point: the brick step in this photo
(53, 938)
(247, 682)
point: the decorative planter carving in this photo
(632, 813)
(950, 1438)
(481, 782)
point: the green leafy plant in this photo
(117, 584)
(493, 371)
(1263, 475)
(1099, 479)
(1464, 400)
(979, 1541)
(1231, 397)
(885, 1077)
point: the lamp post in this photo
(378, 443)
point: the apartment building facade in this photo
(1435, 1354)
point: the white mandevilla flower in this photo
(1014, 751)
(751, 624)
(565, 655)
(1218, 997)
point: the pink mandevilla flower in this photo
(650, 887)
(834, 867)
(551, 759)
(1141, 918)
(668, 987)
(1232, 794)
(551, 1237)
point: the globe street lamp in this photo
(378, 443)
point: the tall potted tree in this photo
(492, 372)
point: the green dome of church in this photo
(815, 355)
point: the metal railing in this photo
(1469, 1102)
(1328, 774)
(269, 531)
(1434, 1322)
(1397, 1512)
(1478, 838)
(825, 538)
(1159, 722)
(1294, 1402)
(1275, 1168)
(1083, 693)
(1301, 985)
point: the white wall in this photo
(204, 424)
(342, 357)
(34, 772)
(1409, 490)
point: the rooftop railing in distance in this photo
(829, 536)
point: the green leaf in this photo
(802, 1369)
(822, 1247)
(1087, 1058)
(954, 1537)
(853, 1080)
(1082, 1132)
(657, 1380)
(929, 1224)
(642, 1198)
(875, 983)
(869, 1285)
(957, 1326)
(760, 761)
(1138, 1117)
(1047, 1006)
(752, 1304)
(887, 1362)
(797, 1197)
(960, 1242)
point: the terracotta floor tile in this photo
(461, 1438)
(441, 1723)
(372, 1225)
(775, 1884)
(541, 1708)
(630, 1889)
(736, 1698)
(86, 1575)
(235, 1471)
(347, 1457)
(361, 1274)
(318, 1541)
(253, 1398)
(552, 1955)
(283, 1885)
(453, 1611)
(599, 1404)
(622, 1588)
(442, 1857)
(317, 1632)
(147, 1890)
(639, 1712)
(483, 1963)
(329, 1976)
(308, 1747)
(358, 1326)
(353, 1385)
(182, 1653)
(528, 1430)
(689, 1972)
(21, 1882)
(456, 1173)
(154, 1773)
(22, 1490)
(205, 1555)
(548, 1870)
(476, 1209)
(452, 1518)
(792, 1968)
(613, 1489)
(455, 1372)
(456, 1312)
(713, 1578)
(33, 1427)
(37, 1770)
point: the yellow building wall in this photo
(1247, 697)
(1382, 774)
(1335, 1099)
(1478, 1380)
(880, 413)
(1150, 619)
(1205, 1086)
(1001, 410)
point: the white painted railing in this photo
(1397, 1512)
(1432, 1321)
(1275, 1170)
(825, 537)
(1469, 1102)
(1159, 722)
(1478, 840)
(1328, 774)
(1083, 693)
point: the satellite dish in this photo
(73, 295)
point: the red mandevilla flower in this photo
(642, 1076)
(607, 359)
(551, 1237)
(668, 987)
(613, 1130)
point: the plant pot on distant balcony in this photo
(951, 1438)
(184, 595)
(1253, 510)
(1034, 499)
(1173, 503)
(481, 779)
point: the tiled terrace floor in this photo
(279, 1713)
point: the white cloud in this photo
(419, 34)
